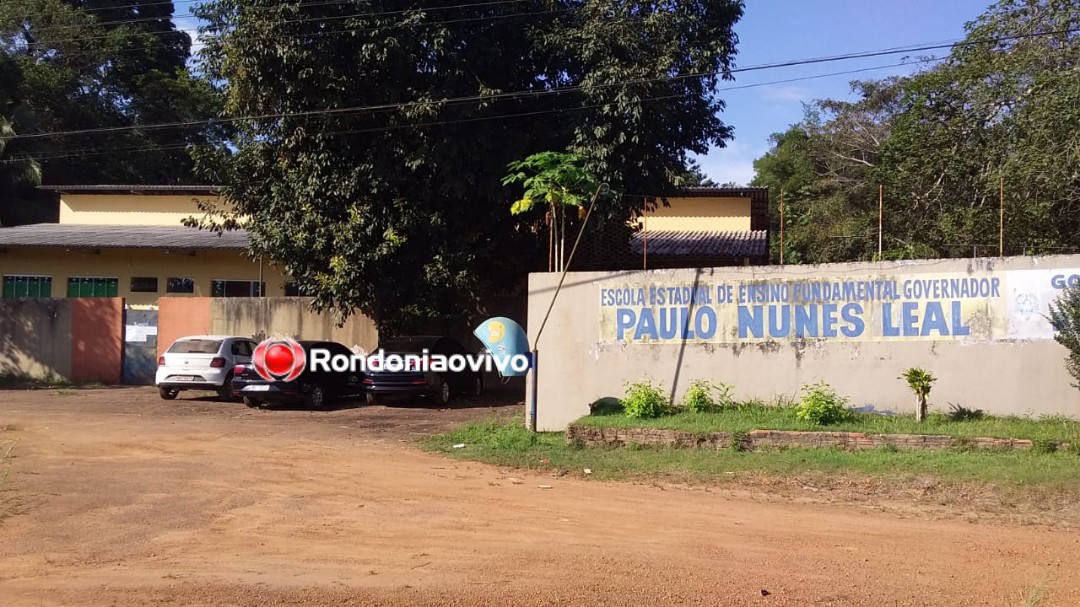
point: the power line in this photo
(537, 93)
(306, 5)
(99, 151)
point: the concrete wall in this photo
(123, 264)
(74, 339)
(258, 318)
(697, 214)
(1007, 364)
(130, 209)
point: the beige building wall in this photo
(700, 214)
(130, 209)
(204, 266)
(579, 364)
(290, 317)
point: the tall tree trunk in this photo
(920, 412)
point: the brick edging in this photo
(756, 440)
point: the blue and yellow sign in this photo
(907, 308)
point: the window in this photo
(195, 346)
(243, 348)
(179, 285)
(236, 288)
(89, 286)
(144, 284)
(27, 286)
(292, 289)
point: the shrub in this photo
(963, 414)
(644, 400)
(821, 405)
(1043, 445)
(1065, 319)
(705, 397)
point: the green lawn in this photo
(762, 417)
(510, 444)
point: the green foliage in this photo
(958, 413)
(821, 405)
(919, 380)
(323, 190)
(643, 400)
(706, 397)
(1065, 319)
(551, 178)
(1044, 445)
(100, 64)
(1003, 105)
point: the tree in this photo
(392, 203)
(920, 381)
(694, 177)
(1065, 319)
(102, 64)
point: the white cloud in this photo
(733, 163)
(779, 92)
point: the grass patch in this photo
(512, 445)
(762, 417)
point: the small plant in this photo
(963, 414)
(821, 405)
(1043, 446)
(706, 397)
(920, 381)
(645, 401)
(740, 441)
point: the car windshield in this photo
(196, 346)
(407, 344)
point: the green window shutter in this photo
(45, 287)
(33, 286)
(9, 287)
(73, 287)
(112, 287)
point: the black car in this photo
(317, 389)
(413, 380)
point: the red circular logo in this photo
(279, 360)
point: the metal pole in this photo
(781, 227)
(880, 219)
(540, 331)
(644, 242)
(1001, 221)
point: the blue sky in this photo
(780, 30)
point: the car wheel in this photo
(478, 386)
(252, 402)
(317, 397)
(168, 393)
(371, 399)
(225, 391)
(444, 392)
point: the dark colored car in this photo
(316, 389)
(413, 380)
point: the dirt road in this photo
(114, 497)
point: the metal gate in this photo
(140, 345)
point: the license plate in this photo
(263, 388)
(184, 378)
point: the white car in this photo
(202, 362)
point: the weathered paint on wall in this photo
(130, 209)
(258, 318)
(97, 347)
(35, 337)
(700, 214)
(1012, 368)
(74, 339)
(123, 264)
(181, 316)
(288, 317)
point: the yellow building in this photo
(129, 241)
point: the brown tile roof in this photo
(701, 244)
(120, 237)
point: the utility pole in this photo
(781, 226)
(1001, 221)
(880, 219)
